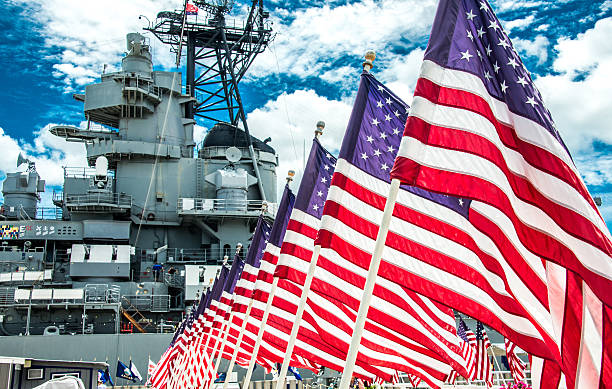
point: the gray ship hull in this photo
(99, 347)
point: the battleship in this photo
(136, 236)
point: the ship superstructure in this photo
(138, 233)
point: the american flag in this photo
(311, 351)
(271, 349)
(200, 327)
(200, 368)
(224, 306)
(244, 291)
(413, 333)
(468, 348)
(484, 370)
(517, 366)
(296, 252)
(191, 9)
(161, 376)
(534, 261)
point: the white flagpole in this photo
(362, 314)
(282, 374)
(223, 330)
(298, 317)
(260, 334)
(238, 343)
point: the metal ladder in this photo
(138, 323)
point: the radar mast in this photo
(218, 54)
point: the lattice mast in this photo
(218, 52)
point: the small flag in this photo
(295, 372)
(191, 9)
(123, 371)
(150, 370)
(516, 365)
(221, 378)
(135, 373)
(105, 377)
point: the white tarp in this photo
(63, 383)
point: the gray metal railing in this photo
(79, 172)
(102, 293)
(49, 213)
(143, 302)
(201, 206)
(100, 199)
(189, 255)
(7, 296)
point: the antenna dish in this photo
(233, 154)
(21, 160)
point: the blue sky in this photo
(53, 48)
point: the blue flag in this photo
(105, 377)
(123, 371)
(221, 378)
(295, 372)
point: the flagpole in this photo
(225, 331)
(260, 334)
(303, 298)
(366, 299)
(238, 342)
(282, 375)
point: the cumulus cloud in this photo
(512, 5)
(519, 24)
(50, 153)
(315, 36)
(579, 96)
(90, 34)
(538, 47)
(595, 168)
(290, 121)
(400, 74)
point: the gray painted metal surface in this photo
(102, 348)
(70, 273)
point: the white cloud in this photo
(290, 121)
(538, 47)
(586, 51)
(606, 5)
(596, 169)
(199, 132)
(316, 35)
(519, 24)
(581, 106)
(511, 5)
(50, 153)
(339, 75)
(400, 74)
(90, 34)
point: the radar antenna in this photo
(218, 54)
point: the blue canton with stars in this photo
(282, 217)
(316, 180)
(479, 45)
(258, 242)
(373, 136)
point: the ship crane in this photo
(218, 52)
